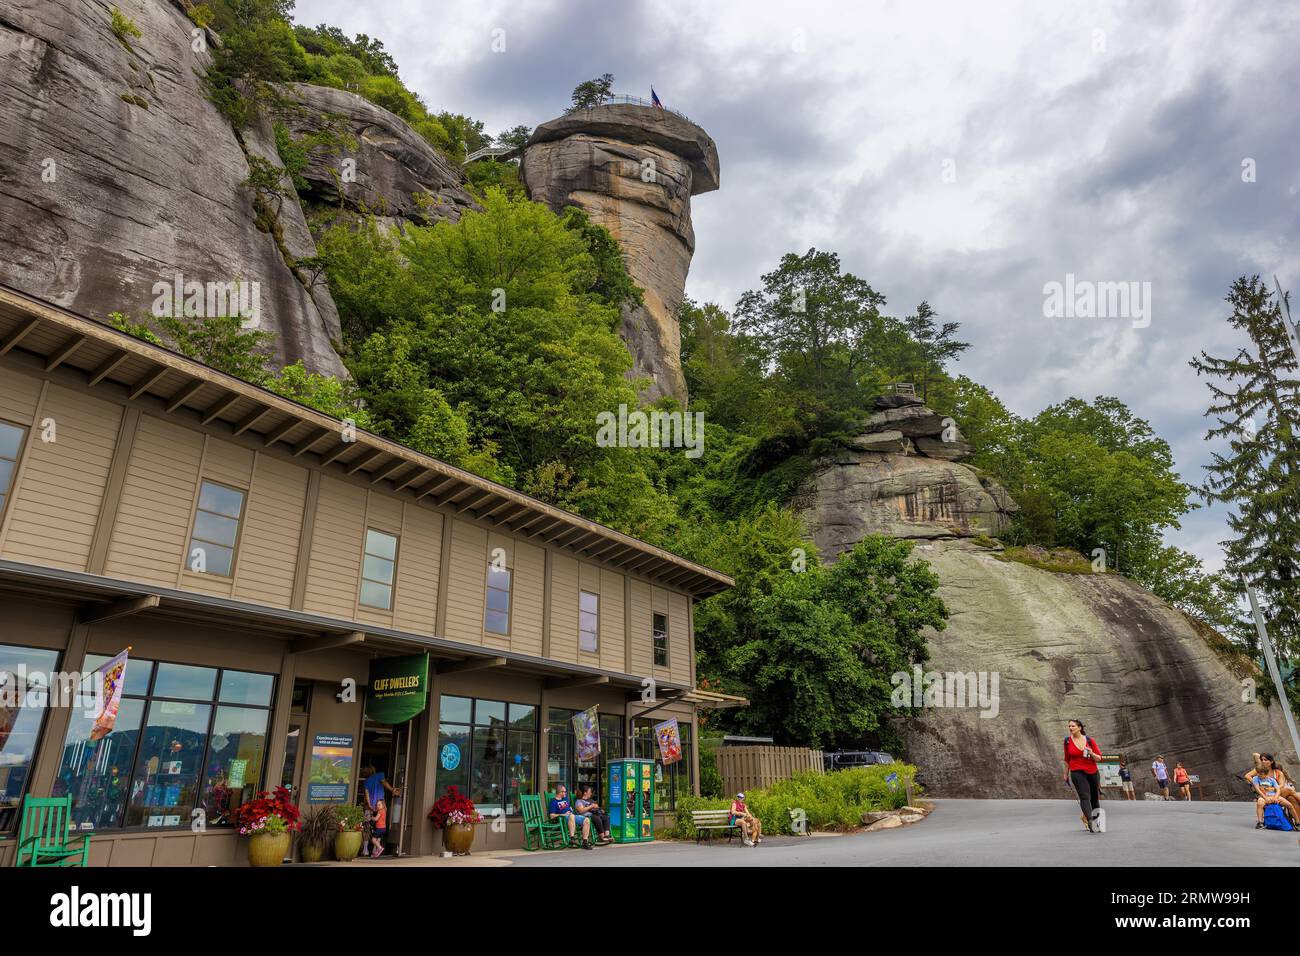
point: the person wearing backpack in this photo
(1271, 805)
(1081, 772)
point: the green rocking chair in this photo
(541, 833)
(43, 836)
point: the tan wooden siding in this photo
(268, 549)
(335, 565)
(466, 582)
(613, 620)
(418, 566)
(56, 504)
(679, 655)
(18, 395)
(641, 622)
(153, 519)
(564, 607)
(384, 513)
(527, 599)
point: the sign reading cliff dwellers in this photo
(399, 688)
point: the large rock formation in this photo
(634, 170)
(393, 171)
(118, 174)
(1142, 675)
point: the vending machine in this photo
(631, 800)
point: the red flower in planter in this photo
(252, 816)
(454, 807)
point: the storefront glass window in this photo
(563, 765)
(486, 748)
(676, 779)
(172, 749)
(20, 726)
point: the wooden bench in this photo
(705, 821)
(43, 837)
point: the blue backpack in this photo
(1275, 818)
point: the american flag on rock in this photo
(654, 98)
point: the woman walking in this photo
(1183, 781)
(1081, 772)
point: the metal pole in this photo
(1271, 661)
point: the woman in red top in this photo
(1081, 771)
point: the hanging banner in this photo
(110, 679)
(670, 741)
(586, 735)
(399, 688)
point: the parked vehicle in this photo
(848, 759)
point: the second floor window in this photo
(496, 615)
(377, 570)
(588, 621)
(661, 640)
(11, 444)
(216, 529)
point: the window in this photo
(487, 749)
(11, 446)
(377, 570)
(496, 614)
(216, 529)
(676, 779)
(20, 726)
(186, 738)
(562, 765)
(661, 640)
(588, 621)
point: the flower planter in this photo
(268, 849)
(458, 838)
(347, 845)
(311, 853)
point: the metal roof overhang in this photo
(98, 595)
(58, 342)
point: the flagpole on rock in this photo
(1273, 671)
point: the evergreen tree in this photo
(932, 347)
(1256, 402)
(592, 93)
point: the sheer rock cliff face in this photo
(117, 173)
(1096, 647)
(633, 169)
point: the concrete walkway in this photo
(964, 833)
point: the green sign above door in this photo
(399, 688)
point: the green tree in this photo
(932, 347)
(591, 93)
(1255, 404)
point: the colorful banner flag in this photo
(586, 734)
(670, 741)
(111, 677)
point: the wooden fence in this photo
(752, 768)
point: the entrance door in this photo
(387, 750)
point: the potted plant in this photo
(268, 822)
(455, 814)
(348, 818)
(317, 833)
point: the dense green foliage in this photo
(829, 801)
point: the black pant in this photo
(1088, 787)
(599, 822)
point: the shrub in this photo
(349, 816)
(124, 27)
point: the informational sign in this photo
(111, 677)
(236, 774)
(586, 735)
(670, 741)
(449, 756)
(1108, 767)
(399, 688)
(331, 768)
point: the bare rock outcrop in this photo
(633, 169)
(117, 173)
(393, 171)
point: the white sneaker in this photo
(748, 841)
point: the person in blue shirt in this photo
(561, 810)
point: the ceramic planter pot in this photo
(347, 845)
(268, 849)
(458, 837)
(311, 853)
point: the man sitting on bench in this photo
(560, 810)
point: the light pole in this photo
(1273, 671)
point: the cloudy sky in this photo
(963, 153)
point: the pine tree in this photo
(1256, 402)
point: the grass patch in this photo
(124, 28)
(830, 801)
(1056, 560)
